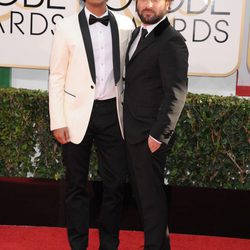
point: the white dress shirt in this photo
(102, 49)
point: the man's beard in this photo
(150, 20)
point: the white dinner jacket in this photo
(72, 72)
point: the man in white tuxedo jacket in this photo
(85, 88)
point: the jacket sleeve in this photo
(58, 70)
(173, 63)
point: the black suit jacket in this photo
(155, 84)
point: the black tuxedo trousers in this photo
(104, 132)
(147, 178)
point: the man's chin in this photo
(149, 20)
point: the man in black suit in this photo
(155, 93)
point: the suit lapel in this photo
(89, 49)
(158, 30)
(87, 43)
(134, 35)
(115, 47)
(146, 42)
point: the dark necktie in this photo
(104, 20)
(144, 32)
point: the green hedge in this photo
(211, 150)
(213, 144)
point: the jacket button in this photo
(92, 86)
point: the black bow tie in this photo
(104, 20)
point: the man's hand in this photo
(61, 135)
(153, 144)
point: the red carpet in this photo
(48, 238)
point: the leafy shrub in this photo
(211, 150)
(213, 143)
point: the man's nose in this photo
(149, 4)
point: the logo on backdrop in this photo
(29, 18)
(31, 23)
(210, 28)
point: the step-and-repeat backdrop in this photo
(213, 30)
